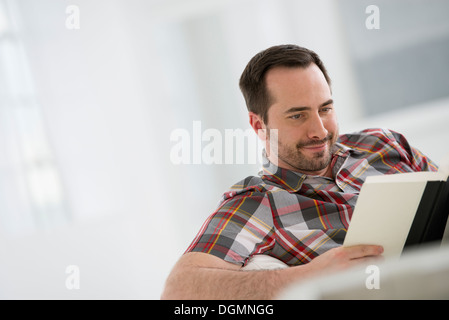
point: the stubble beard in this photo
(294, 157)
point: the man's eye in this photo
(296, 116)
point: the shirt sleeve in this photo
(392, 148)
(240, 227)
(418, 161)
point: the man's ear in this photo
(258, 125)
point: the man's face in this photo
(304, 115)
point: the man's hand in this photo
(341, 258)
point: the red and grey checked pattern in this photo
(295, 217)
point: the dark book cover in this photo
(431, 216)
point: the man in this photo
(299, 207)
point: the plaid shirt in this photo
(295, 217)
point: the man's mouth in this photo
(319, 147)
(315, 145)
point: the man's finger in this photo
(357, 252)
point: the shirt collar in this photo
(292, 180)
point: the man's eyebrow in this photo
(298, 109)
(328, 102)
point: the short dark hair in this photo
(252, 81)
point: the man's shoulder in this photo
(246, 186)
(371, 139)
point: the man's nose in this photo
(316, 129)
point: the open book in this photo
(396, 211)
(400, 211)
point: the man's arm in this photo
(204, 276)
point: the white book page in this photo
(384, 214)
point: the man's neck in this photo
(326, 172)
